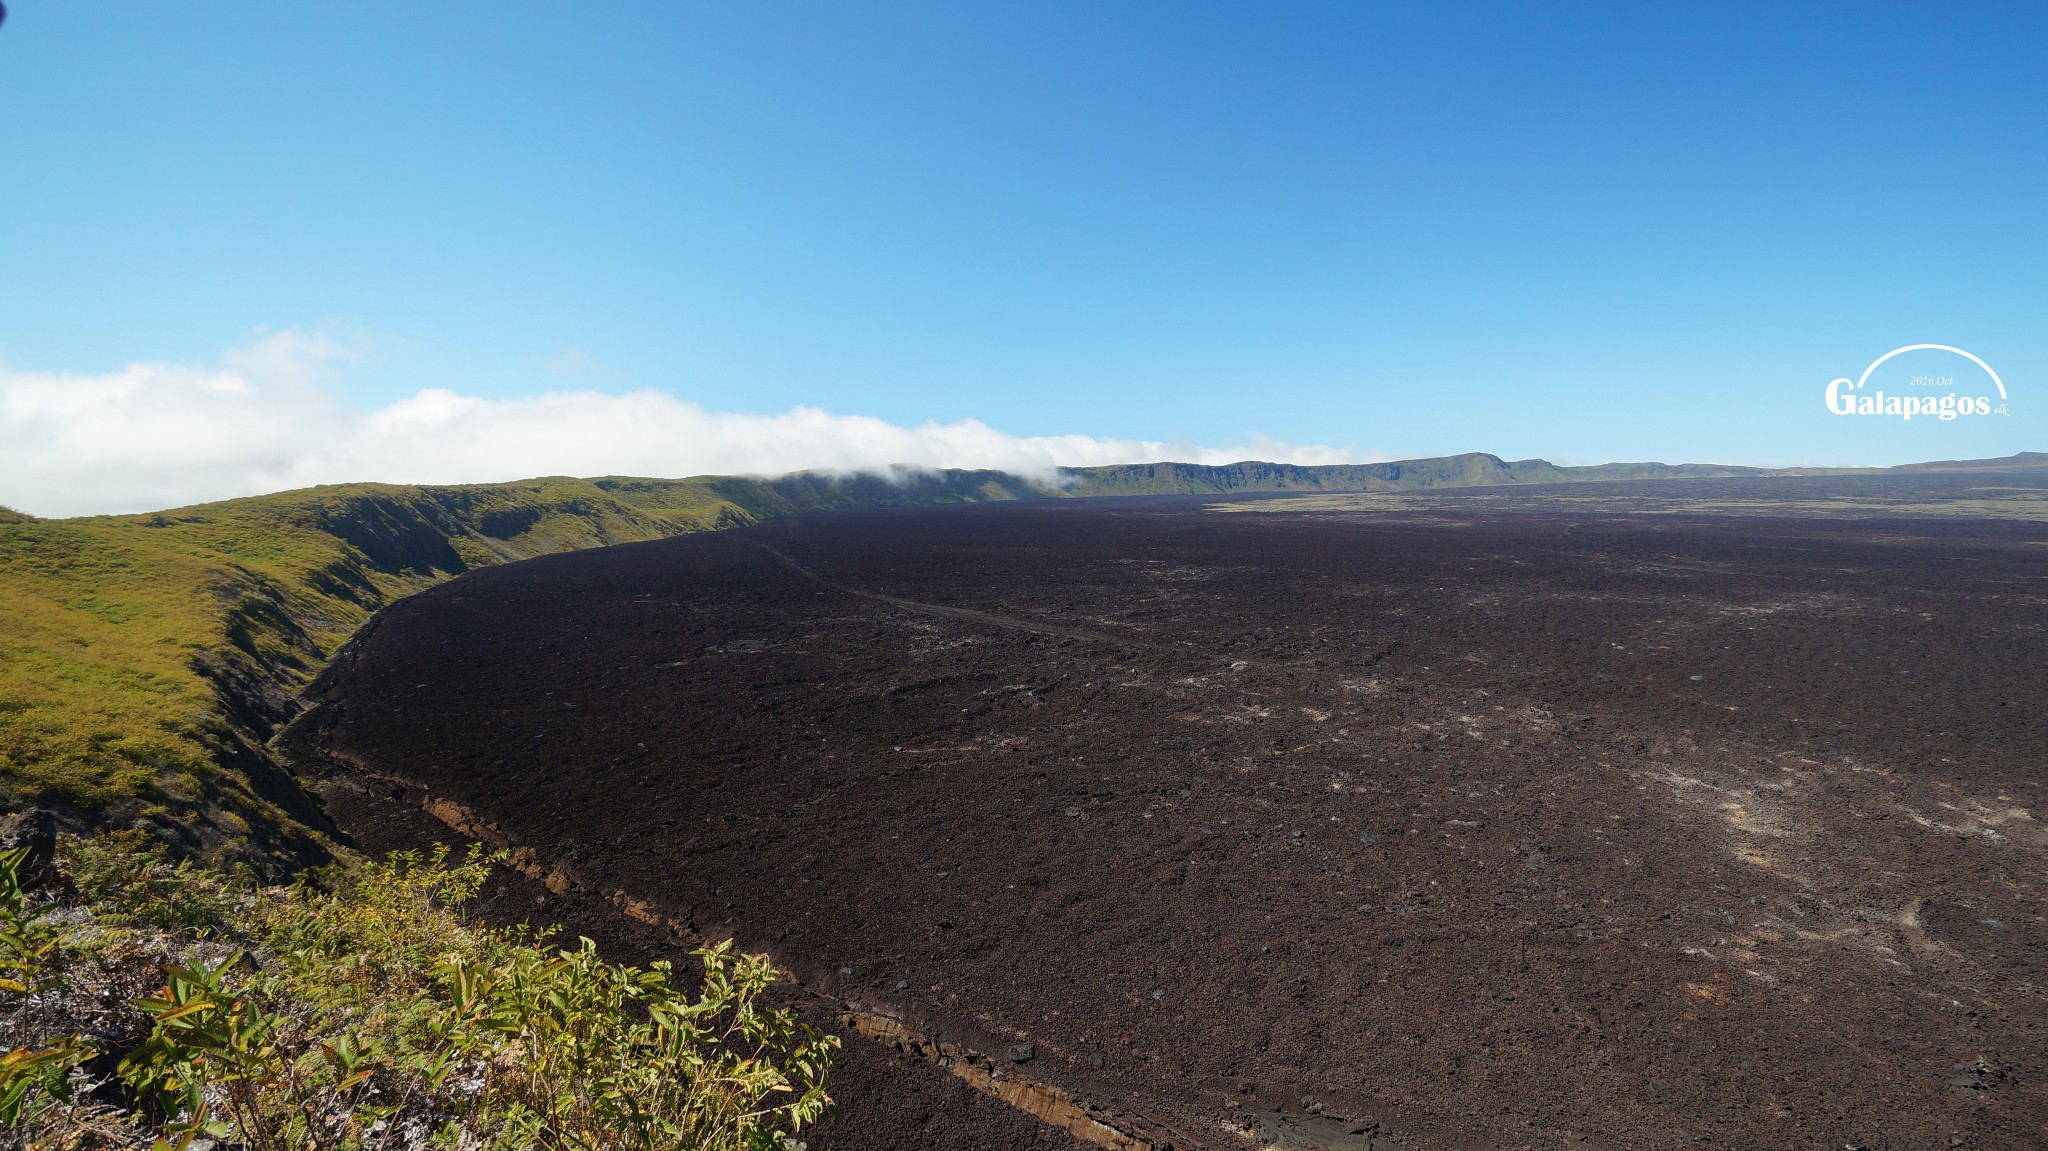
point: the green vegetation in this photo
(372, 1016)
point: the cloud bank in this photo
(266, 419)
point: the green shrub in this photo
(375, 1015)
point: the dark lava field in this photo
(1330, 829)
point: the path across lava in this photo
(950, 612)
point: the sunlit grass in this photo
(121, 633)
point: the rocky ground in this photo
(1340, 830)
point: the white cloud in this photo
(162, 435)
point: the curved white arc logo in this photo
(1921, 348)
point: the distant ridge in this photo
(147, 660)
(1473, 469)
(2002, 463)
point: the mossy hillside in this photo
(145, 659)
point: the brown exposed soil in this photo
(1344, 830)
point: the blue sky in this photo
(1580, 232)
